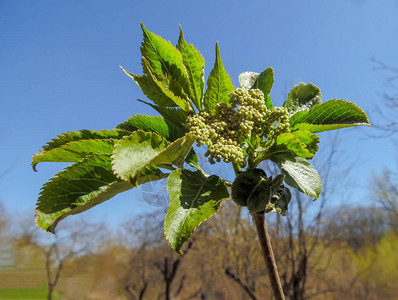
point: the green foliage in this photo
(163, 58)
(134, 153)
(158, 91)
(299, 173)
(194, 64)
(219, 85)
(78, 188)
(303, 143)
(153, 124)
(302, 97)
(80, 135)
(172, 115)
(240, 126)
(258, 192)
(264, 82)
(333, 114)
(193, 199)
(140, 151)
(75, 151)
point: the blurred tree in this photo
(141, 236)
(385, 192)
(150, 259)
(377, 269)
(70, 241)
(6, 258)
(356, 227)
(387, 121)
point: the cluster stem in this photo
(268, 254)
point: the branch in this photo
(181, 285)
(142, 292)
(261, 226)
(242, 285)
(194, 294)
(130, 290)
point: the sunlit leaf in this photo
(173, 115)
(194, 64)
(193, 199)
(71, 136)
(163, 57)
(137, 152)
(264, 82)
(75, 151)
(76, 189)
(302, 142)
(219, 85)
(302, 97)
(153, 89)
(133, 153)
(299, 173)
(330, 115)
(153, 124)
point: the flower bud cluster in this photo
(280, 117)
(224, 131)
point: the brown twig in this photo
(242, 285)
(261, 226)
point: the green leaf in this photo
(163, 57)
(252, 188)
(71, 136)
(175, 116)
(247, 79)
(330, 115)
(264, 82)
(75, 151)
(219, 85)
(299, 173)
(303, 143)
(268, 102)
(309, 139)
(137, 152)
(302, 97)
(80, 187)
(194, 64)
(169, 87)
(134, 153)
(176, 152)
(151, 89)
(76, 189)
(153, 124)
(193, 199)
(280, 198)
(158, 92)
(192, 159)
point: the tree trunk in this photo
(50, 291)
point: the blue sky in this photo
(59, 71)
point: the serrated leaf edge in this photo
(42, 152)
(340, 123)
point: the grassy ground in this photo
(26, 294)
